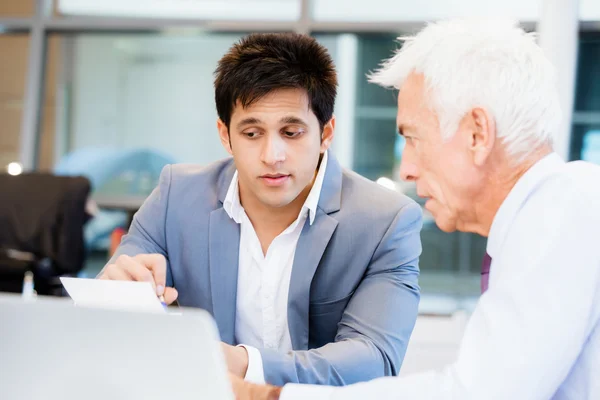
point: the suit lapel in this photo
(224, 244)
(311, 245)
(310, 248)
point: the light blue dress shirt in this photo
(535, 334)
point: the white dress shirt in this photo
(535, 334)
(264, 280)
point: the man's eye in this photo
(251, 135)
(291, 134)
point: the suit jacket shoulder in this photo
(201, 187)
(364, 200)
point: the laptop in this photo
(50, 349)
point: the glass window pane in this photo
(148, 98)
(590, 150)
(585, 142)
(585, 135)
(587, 96)
(261, 10)
(14, 50)
(17, 8)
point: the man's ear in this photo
(483, 134)
(327, 134)
(224, 136)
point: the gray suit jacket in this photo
(353, 294)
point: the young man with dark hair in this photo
(311, 270)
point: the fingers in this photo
(170, 295)
(157, 264)
(137, 271)
(114, 273)
(247, 391)
(144, 268)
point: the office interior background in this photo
(115, 89)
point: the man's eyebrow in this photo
(292, 120)
(248, 121)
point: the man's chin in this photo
(446, 227)
(276, 202)
(445, 224)
(441, 218)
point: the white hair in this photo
(492, 64)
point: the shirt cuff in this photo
(293, 391)
(255, 372)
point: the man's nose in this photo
(273, 151)
(408, 170)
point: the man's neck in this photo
(273, 219)
(269, 222)
(502, 180)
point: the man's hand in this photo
(249, 391)
(144, 268)
(236, 358)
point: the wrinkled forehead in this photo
(407, 114)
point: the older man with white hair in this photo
(478, 108)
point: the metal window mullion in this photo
(304, 22)
(34, 90)
(15, 25)
(99, 24)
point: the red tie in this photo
(485, 272)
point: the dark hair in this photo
(263, 62)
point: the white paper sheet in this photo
(121, 295)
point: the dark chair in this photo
(41, 229)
